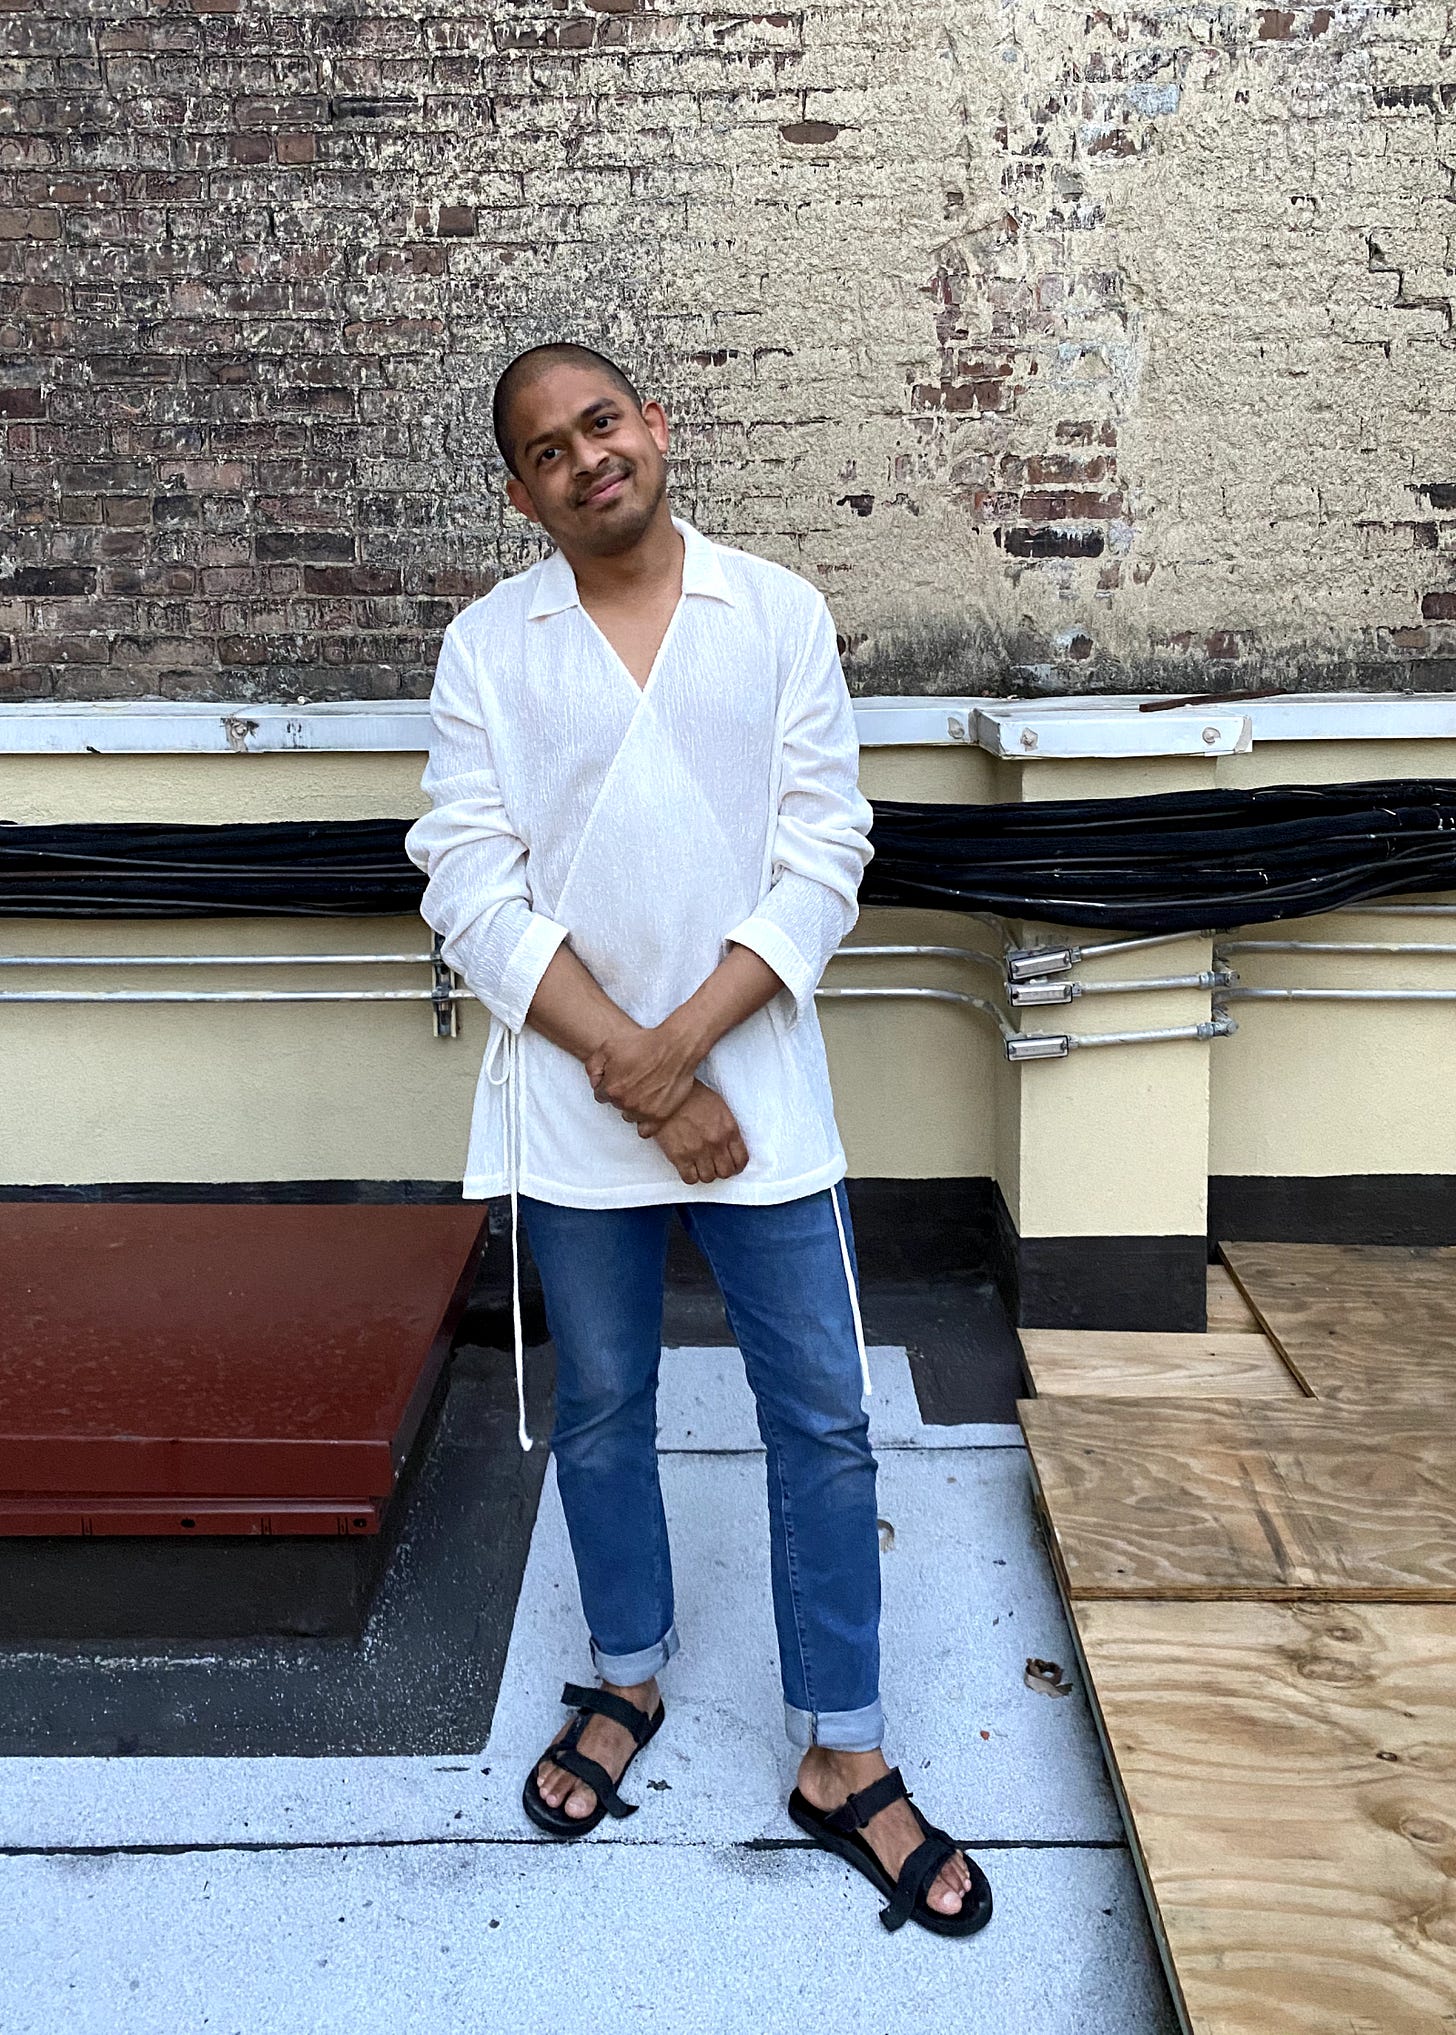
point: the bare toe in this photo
(580, 1802)
(945, 1896)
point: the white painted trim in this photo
(164, 727)
(1058, 728)
(1367, 717)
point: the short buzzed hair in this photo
(527, 367)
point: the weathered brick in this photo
(52, 579)
(1166, 340)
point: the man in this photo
(646, 842)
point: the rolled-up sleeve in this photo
(821, 837)
(478, 897)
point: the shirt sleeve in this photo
(478, 897)
(821, 837)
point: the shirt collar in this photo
(702, 574)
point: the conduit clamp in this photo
(443, 996)
(1039, 1046)
(1023, 963)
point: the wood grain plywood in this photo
(1291, 1773)
(1113, 1364)
(1210, 1499)
(1228, 1311)
(1359, 1324)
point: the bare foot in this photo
(827, 1779)
(610, 1745)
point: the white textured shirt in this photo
(650, 827)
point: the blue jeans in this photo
(781, 1273)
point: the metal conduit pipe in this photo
(232, 995)
(1425, 911)
(1335, 947)
(211, 960)
(1024, 962)
(937, 953)
(1219, 1026)
(961, 996)
(444, 998)
(1021, 1046)
(1022, 994)
(1341, 995)
(1018, 1046)
(381, 960)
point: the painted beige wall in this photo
(1110, 1141)
(39, 791)
(1321, 1088)
(914, 1082)
(252, 1092)
(230, 1092)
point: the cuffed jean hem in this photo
(836, 1730)
(627, 1669)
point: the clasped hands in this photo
(648, 1075)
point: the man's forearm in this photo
(646, 1071)
(740, 985)
(573, 1010)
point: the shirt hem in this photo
(648, 1194)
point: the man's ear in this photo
(519, 498)
(655, 418)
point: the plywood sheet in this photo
(1291, 1773)
(1360, 1325)
(1153, 1498)
(1228, 1311)
(1112, 1364)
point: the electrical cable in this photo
(1173, 862)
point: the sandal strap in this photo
(857, 1809)
(915, 1877)
(596, 1777)
(602, 1703)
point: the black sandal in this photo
(837, 1830)
(588, 1703)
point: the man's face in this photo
(592, 466)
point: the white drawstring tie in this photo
(864, 1362)
(510, 1077)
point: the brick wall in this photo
(1065, 346)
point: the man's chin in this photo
(609, 531)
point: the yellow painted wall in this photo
(1328, 1088)
(1110, 1141)
(40, 791)
(255, 1092)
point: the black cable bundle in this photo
(1172, 863)
(1176, 862)
(123, 870)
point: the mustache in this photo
(604, 481)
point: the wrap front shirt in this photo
(651, 826)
